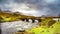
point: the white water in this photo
(12, 27)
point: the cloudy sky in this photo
(32, 7)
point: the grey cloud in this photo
(41, 5)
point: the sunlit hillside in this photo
(7, 16)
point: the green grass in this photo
(54, 29)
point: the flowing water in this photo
(12, 27)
